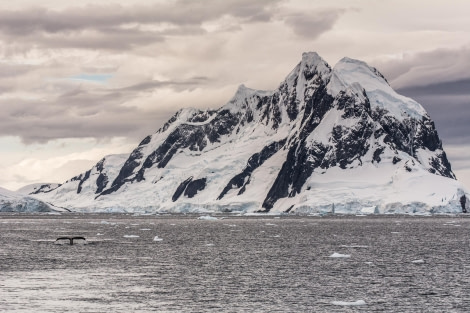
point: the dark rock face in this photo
(189, 187)
(179, 191)
(82, 178)
(101, 183)
(441, 166)
(463, 201)
(299, 166)
(255, 161)
(377, 154)
(102, 180)
(194, 186)
(44, 189)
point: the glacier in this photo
(16, 202)
(327, 140)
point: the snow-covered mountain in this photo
(325, 140)
(15, 202)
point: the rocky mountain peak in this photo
(326, 138)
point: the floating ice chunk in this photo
(339, 255)
(207, 218)
(420, 261)
(131, 236)
(108, 223)
(346, 303)
(156, 238)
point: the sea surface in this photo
(181, 263)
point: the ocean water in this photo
(179, 263)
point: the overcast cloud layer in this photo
(78, 81)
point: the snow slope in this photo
(326, 140)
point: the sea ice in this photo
(339, 255)
(346, 303)
(420, 261)
(156, 238)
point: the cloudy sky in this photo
(80, 80)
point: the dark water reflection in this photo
(235, 264)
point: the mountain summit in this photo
(326, 140)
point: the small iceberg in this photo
(339, 255)
(207, 218)
(420, 261)
(131, 236)
(156, 238)
(346, 303)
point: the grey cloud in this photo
(454, 88)
(102, 17)
(12, 70)
(119, 27)
(311, 25)
(154, 84)
(425, 68)
(102, 120)
(92, 112)
(109, 39)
